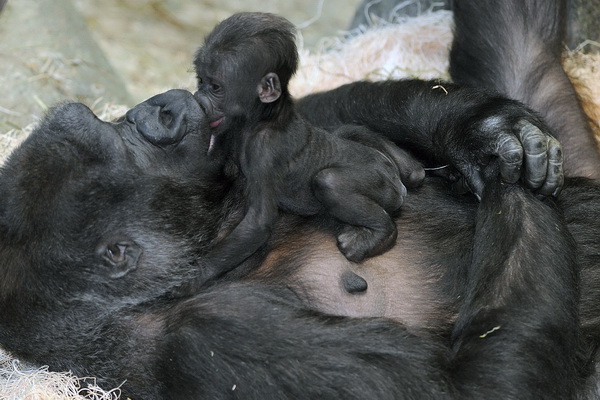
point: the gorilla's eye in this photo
(215, 87)
(119, 257)
(116, 253)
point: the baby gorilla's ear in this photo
(269, 88)
(120, 256)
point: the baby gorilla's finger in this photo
(535, 148)
(411, 170)
(555, 176)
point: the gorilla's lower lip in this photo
(216, 123)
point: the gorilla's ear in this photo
(269, 88)
(119, 255)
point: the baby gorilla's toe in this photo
(358, 243)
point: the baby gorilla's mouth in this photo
(216, 123)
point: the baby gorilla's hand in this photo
(364, 188)
(410, 169)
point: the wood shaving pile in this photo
(19, 381)
(416, 48)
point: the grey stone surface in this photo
(48, 55)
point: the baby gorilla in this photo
(243, 71)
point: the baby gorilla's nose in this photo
(166, 118)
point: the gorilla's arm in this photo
(446, 123)
(260, 342)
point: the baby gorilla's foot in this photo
(358, 243)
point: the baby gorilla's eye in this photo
(215, 87)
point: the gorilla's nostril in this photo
(166, 118)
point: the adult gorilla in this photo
(101, 222)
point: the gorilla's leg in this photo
(520, 305)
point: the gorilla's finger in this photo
(473, 178)
(535, 148)
(476, 184)
(510, 152)
(555, 176)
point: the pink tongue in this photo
(216, 123)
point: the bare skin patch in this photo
(398, 286)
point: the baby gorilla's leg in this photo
(356, 198)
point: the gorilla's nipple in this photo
(353, 283)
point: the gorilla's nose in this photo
(167, 117)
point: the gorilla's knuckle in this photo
(328, 179)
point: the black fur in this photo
(63, 306)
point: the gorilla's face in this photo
(108, 212)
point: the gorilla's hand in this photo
(516, 136)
